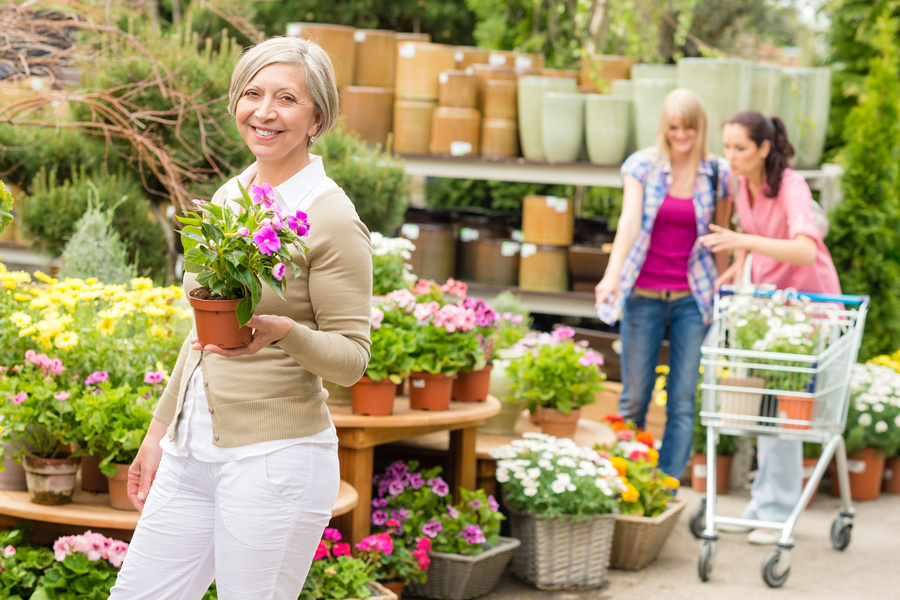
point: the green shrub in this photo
(96, 250)
(49, 215)
(374, 180)
(27, 149)
(865, 227)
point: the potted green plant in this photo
(234, 248)
(556, 376)
(398, 561)
(88, 563)
(6, 203)
(390, 264)
(467, 553)
(393, 335)
(40, 427)
(473, 380)
(113, 422)
(561, 499)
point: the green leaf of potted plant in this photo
(236, 247)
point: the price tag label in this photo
(562, 205)
(856, 466)
(468, 234)
(508, 249)
(417, 383)
(517, 235)
(407, 50)
(523, 62)
(528, 250)
(497, 60)
(444, 77)
(699, 471)
(410, 231)
(293, 29)
(459, 148)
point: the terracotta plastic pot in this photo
(337, 40)
(458, 89)
(51, 481)
(92, 478)
(723, 473)
(217, 324)
(118, 489)
(472, 386)
(375, 398)
(544, 268)
(866, 474)
(556, 423)
(375, 58)
(369, 111)
(13, 476)
(429, 391)
(797, 408)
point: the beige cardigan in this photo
(277, 393)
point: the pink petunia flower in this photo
(96, 377)
(154, 377)
(332, 534)
(267, 240)
(18, 398)
(377, 316)
(9, 550)
(62, 396)
(321, 551)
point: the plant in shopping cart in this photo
(873, 415)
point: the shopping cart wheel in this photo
(705, 561)
(698, 520)
(840, 533)
(773, 571)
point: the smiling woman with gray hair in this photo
(238, 473)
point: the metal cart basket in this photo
(800, 396)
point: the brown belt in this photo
(667, 295)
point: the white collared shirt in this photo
(194, 434)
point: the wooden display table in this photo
(588, 433)
(92, 511)
(358, 435)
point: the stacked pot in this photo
(548, 224)
(456, 122)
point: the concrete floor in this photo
(866, 569)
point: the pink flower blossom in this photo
(423, 286)
(381, 542)
(424, 311)
(278, 271)
(404, 299)
(423, 558)
(423, 543)
(96, 377)
(62, 396)
(377, 316)
(243, 231)
(495, 506)
(154, 377)
(199, 202)
(116, 553)
(379, 517)
(455, 288)
(9, 550)
(321, 551)
(473, 534)
(54, 366)
(267, 240)
(18, 398)
(454, 514)
(432, 528)
(560, 334)
(298, 223)
(263, 194)
(342, 549)
(439, 486)
(454, 318)
(332, 534)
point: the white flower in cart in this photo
(545, 463)
(865, 419)
(881, 427)
(534, 472)
(897, 420)
(878, 407)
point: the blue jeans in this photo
(643, 325)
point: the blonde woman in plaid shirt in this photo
(660, 277)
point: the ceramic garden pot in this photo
(51, 481)
(556, 423)
(92, 478)
(765, 91)
(607, 122)
(562, 126)
(866, 470)
(645, 71)
(472, 386)
(698, 473)
(530, 100)
(217, 323)
(648, 98)
(723, 85)
(625, 87)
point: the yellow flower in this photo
(91, 281)
(159, 331)
(66, 340)
(20, 319)
(142, 283)
(630, 494)
(41, 276)
(620, 465)
(107, 325)
(671, 483)
(21, 297)
(654, 456)
(662, 369)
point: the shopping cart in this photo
(793, 396)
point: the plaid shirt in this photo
(655, 174)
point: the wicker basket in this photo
(562, 554)
(379, 592)
(459, 577)
(638, 540)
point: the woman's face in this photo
(742, 153)
(681, 137)
(276, 117)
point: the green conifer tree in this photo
(865, 227)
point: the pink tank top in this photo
(673, 236)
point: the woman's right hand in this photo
(606, 291)
(142, 471)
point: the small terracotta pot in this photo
(793, 407)
(217, 324)
(92, 479)
(118, 489)
(428, 391)
(394, 586)
(374, 398)
(472, 386)
(866, 474)
(51, 481)
(698, 473)
(556, 423)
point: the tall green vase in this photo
(562, 126)
(607, 128)
(531, 104)
(723, 84)
(765, 91)
(625, 87)
(805, 101)
(648, 98)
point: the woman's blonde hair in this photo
(686, 106)
(309, 58)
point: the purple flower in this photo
(495, 506)
(397, 468)
(96, 377)
(379, 517)
(473, 534)
(454, 514)
(199, 202)
(154, 377)
(379, 502)
(440, 487)
(400, 514)
(475, 503)
(298, 223)
(432, 528)
(416, 481)
(243, 231)
(263, 194)
(278, 271)
(396, 487)
(267, 240)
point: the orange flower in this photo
(618, 426)
(620, 464)
(645, 437)
(630, 494)
(614, 418)
(671, 483)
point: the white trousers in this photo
(253, 525)
(779, 480)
